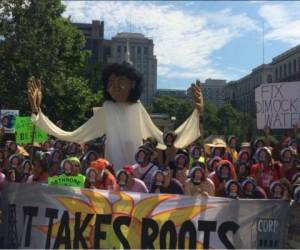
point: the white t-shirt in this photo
(145, 174)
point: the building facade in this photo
(283, 68)
(129, 47)
(95, 42)
(241, 93)
(286, 66)
(213, 91)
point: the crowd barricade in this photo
(42, 216)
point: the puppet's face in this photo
(249, 187)
(244, 157)
(67, 167)
(225, 171)
(233, 188)
(277, 190)
(233, 142)
(198, 175)
(119, 87)
(159, 178)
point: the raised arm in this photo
(92, 129)
(191, 129)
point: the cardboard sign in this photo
(69, 181)
(8, 120)
(24, 131)
(278, 105)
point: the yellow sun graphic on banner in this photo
(123, 206)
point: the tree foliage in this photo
(37, 40)
(217, 121)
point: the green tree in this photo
(37, 40)
(179, 108)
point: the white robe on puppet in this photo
(125, 126)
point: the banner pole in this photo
(32, 141)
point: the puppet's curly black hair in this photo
(124, 69)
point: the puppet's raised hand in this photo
(198, 97)
(34, 92)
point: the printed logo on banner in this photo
(8, 120)
(268, 233)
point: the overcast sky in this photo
(199, 39)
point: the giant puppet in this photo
(122, 118)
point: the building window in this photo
(295, 65)
(119, 49)
(269, 79)
(290, 68)
(276, 74)
(139, 50)
(299, 63)
(280, 72)
(284, 70)
(146, 51)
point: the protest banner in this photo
(8, 120)
(278, 105)
(41, 216)
(25, 129)
(69, 181)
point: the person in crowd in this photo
(171, 185)
(167, 154)
(213, 163)
(87, 158)
(144, 168)
(278, 191)
(99, 177)
(39, 170)
(196, 155)
(225, 171)
(24, 170)
(242, 166)
(73, 149)
(232, 148)
(157, 182)
(251, 190)
(198, 183)
(127, 181)
(218, 148)
(246, 146)
(232, 190)
(289, 162)
(46, 145)
(265, 170)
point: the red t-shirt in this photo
(269, 173)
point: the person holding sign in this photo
(122, 118)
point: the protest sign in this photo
(64, 180)
(278, 105)
(41, 216)
(8, 120)
(24, 131)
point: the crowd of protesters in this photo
(249, 170)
